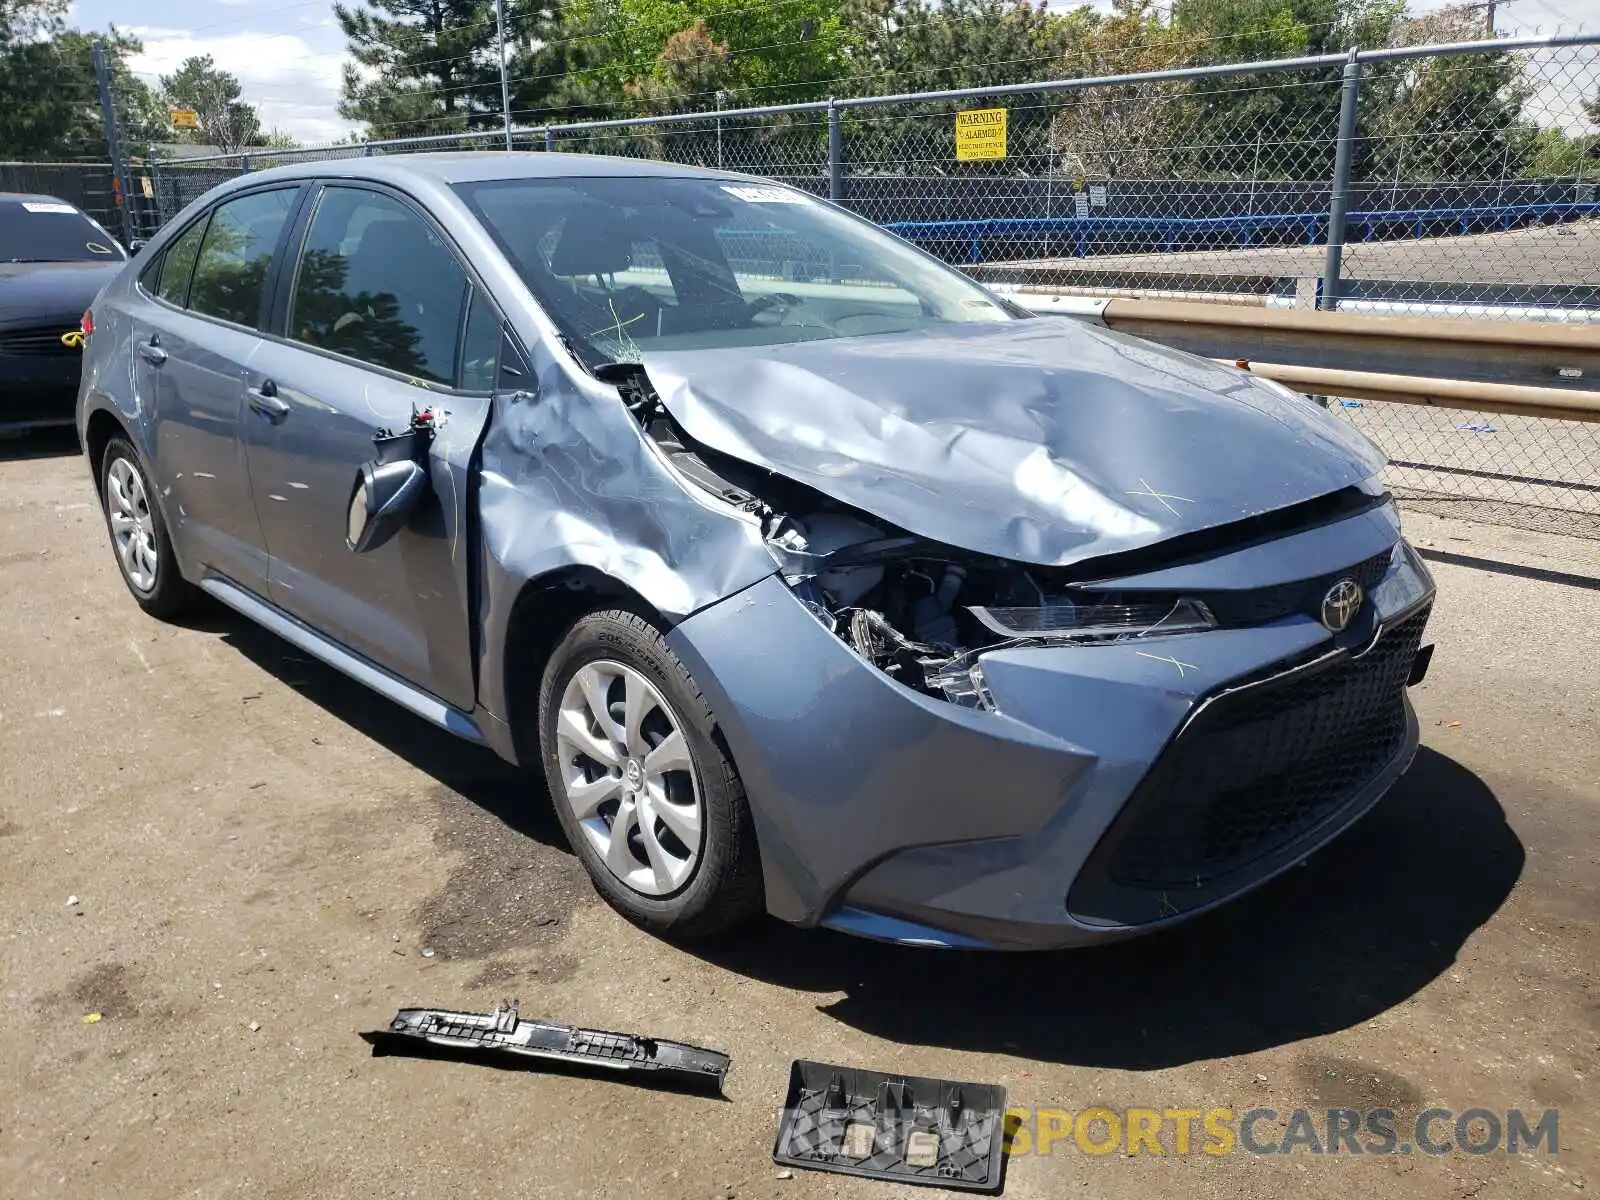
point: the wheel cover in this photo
(133, 529)
(628, 779)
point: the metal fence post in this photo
(119, 161)
(835, 153)
(549, 138)
(721, 95)
(158, 201)
(505, 81)
(1339, 199)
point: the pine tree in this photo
(421, 66)
(49, 99)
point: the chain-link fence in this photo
(1454, 180)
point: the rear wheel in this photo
(652, 805)
(139, 535)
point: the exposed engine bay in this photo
(919, 611)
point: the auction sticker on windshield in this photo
(35, 207)
(766, 195)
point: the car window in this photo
(230, 274)
(480, 347)
(378, 284)
(177, 265)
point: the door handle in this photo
(152, 353)
(266, 401)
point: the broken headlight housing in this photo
(1067, 621)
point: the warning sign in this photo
(980, 134)
(185, 118)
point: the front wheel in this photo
(652, 806)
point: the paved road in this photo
(1556, 254)
(256, 842)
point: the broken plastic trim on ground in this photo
(898, 1128)
(507, 1038)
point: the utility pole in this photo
(119, 162)
(505, 82)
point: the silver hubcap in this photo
(628, 778)
(132, 528)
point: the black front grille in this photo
(37, 343)
(1255, 770)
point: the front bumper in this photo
(1069, 816)
(39, 390)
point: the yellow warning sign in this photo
(185, 118)
(980, 134)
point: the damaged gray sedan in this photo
(813, 576)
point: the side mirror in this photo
(381, 502)
(135, 246)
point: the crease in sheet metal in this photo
(1044, 441)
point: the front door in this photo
(190, 354)
(374, 320)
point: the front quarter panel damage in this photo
(842, 764)
(568, 480)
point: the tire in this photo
(149, 568)
(664, 883)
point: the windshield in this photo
(45, 230)
(625, 265)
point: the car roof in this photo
(480, 166)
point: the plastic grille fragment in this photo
(505, 1034)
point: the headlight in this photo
(1092, 622)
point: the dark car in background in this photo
(54, 259)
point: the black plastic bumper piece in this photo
(1419, 666)
(504, 1036)
(899, 1128)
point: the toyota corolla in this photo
(811, 575)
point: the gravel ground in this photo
(261, 852)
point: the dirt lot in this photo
(261, 852)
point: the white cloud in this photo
(295, 88)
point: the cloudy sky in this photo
(287, 53)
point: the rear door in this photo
(192, 345)
(377, 318)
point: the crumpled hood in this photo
(1046, 441)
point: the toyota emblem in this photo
(1341, 604)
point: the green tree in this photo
(421, 66)
(1126, 131)
(1446, 119)
(1270, 126)
(49, 98)
(1556, 155)
(622, 57)
(226, 121)
(923, 45)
